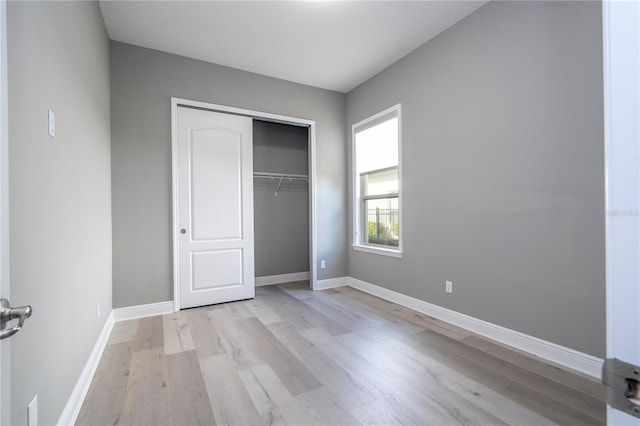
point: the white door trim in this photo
(621, 66)
(250, 113)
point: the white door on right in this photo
(621, 29)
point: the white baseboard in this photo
(567, 357)
(331, 283)
(74, 404)
(283, 278)
(141, 311)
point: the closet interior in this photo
(281, 202)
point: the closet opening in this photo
(281, 194)
(270, 206)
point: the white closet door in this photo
(215, 207)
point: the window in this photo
(376, 177)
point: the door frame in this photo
(266, 116)
(621, 65)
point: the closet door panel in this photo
(218, 268)
(216, 184)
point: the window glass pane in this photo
(382, 224)
(377, 146)
(380, 182)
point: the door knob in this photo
(183, 231)
(7, 313)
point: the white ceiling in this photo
(334, 45)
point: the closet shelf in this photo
(287, 176)
(280, 177)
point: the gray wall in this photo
(142, 83)
(60, 200)
(503, 170)
(281, 222)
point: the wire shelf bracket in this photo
(281, 176)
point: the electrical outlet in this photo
(32, 412)
(448, 286)
(322, 264)
(98, 310)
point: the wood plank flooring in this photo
(342, 357)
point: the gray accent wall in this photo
(60, 196)
(142, 84)
(281, 222)
(502, 161)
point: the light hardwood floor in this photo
(339, 356)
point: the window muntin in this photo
(376, 150)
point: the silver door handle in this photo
(7, 313)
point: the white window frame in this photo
(358, 215)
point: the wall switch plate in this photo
(322, 264)
(32, 412)
(52, 124)
(448, 286)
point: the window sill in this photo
(377, 250)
